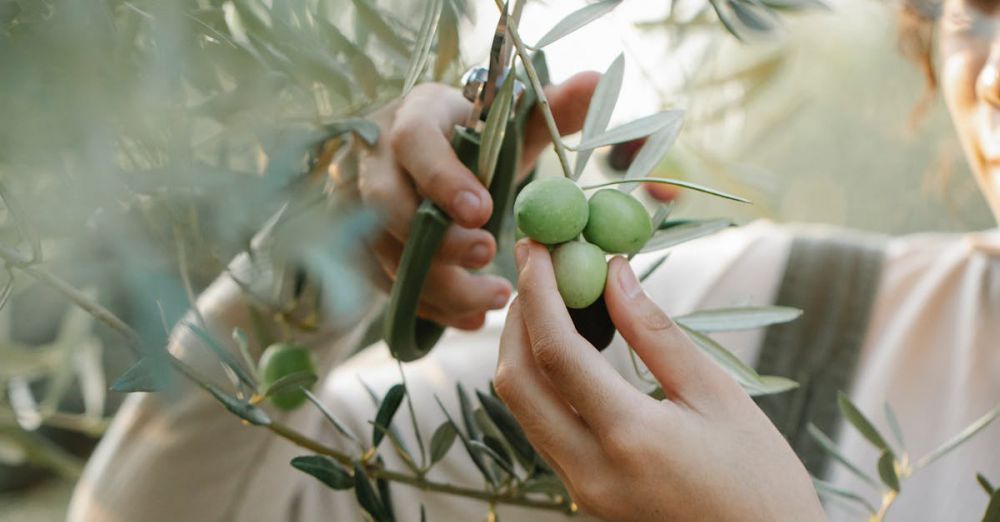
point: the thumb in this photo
(569, 102)
(683, 371)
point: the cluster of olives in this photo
(554, 211)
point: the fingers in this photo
(685, 373)
(451, 295)
(419, 141)
(569, 102)
(577, 370)
(549, 423)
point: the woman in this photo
(926, 343)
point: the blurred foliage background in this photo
(812, 124)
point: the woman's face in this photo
(969, 41)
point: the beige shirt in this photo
(932, 350)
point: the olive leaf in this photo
(385, 492)
(508, 426)
(398, 447)
(367, 497)
(468, 414)
(830, 447)
(985, 484)
(742, 318)
(635, 129)
(652, 268)
(386, 411)
(860, 422)
(291, 382)
(751, 382)
(668, 181)
(887, 470)
(683, 233)
(475, 456)
(956, 441)
(827, 490)
(243, 410)
(795, 5)
(325, 469)
(652, 152)
(223, 354)
(390, 428)
(602, 106)
(897, 431)
(240, 338)
(753, 15)
(337, 424)
(576, 20)
(425, 40)
(483, 449)
(992, 513)
(495, 130)
(546, 484)
(441, 441)
(138, 378)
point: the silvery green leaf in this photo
(825, 489)
(483, 449)
(386, 411)
(240, 338)
(290, 382)
(985, 484)
(795, 5)
(722, 12)
(374, 20)
(683, 233)
(337, 424)
(422, 48)
(495, 130)
(138, 378)
(391, 429)
(397, 446)
(243, 410)
(897, 431)
(476, 458)
(860, 422)
(668, 181)
(386, 495)
(887, 470)
(957, 440)
(499, 448)
(652, 152)
(468, 414)
(742, 318)
(576, 20)
(746, 376)
(508, 426)
(752, 15)
(326, 470)
(653, 267)
(992, 513)
(441, 441)
(830, 447)
(769, 385)
(602, 106)
(225, 357)
(547, 484)
(635, 129)
(367, 498)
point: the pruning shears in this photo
(408, 336)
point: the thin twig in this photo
(543, 102)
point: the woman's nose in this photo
(988, 81)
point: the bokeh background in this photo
(813, 124)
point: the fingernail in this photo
(628, 283)
(478, 255)
(520, 255)
(466, 205)
(500, 301)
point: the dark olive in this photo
(594, 323)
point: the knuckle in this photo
(655, 319)
(548, 353)
(402, 135)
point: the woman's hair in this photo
(916, 21)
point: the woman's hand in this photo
(414, 160)
(705, 453)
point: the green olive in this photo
(618, 223)
(581, 271)
(551, 210)
(281, 360)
